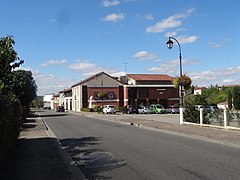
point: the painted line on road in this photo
(72, 168)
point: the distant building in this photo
(47, 100)
(87, 91)
(65, 98)
(198, 90)
(131, 89)
(146, 89)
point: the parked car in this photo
(46, 108)
(198, 107)
(144, 110)
(60, 109)
(129, 109)
(157, 108)
(109, 109)
(172, 109)
(211, 109)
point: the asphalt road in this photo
(107, 150)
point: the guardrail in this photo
(225, 119)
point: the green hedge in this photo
(10, 123)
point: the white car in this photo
(109, 109)
(144, 110)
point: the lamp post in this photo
(96, 77)
(170, 46)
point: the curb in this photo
(193, 136)
(74, 171)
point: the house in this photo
(146, 89)
(198, 90)
(55, 101)
(85, 93)
(47, 100)
(65, 98)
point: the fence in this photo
(220, 119)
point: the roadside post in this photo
(181, 115)
(201, 116)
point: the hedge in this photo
(10, 123)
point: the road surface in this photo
(107, 150)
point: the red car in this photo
(60, 109)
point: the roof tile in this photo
(150, 77)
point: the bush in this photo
(192, 115)
(87, 109)
(11, 119)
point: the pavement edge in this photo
(74, 171)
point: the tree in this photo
(200, 99)
(230, 100)
(37, 102)
(24, 87)
(8, 62)
(236, 97)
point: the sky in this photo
(65, 41)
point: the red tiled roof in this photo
(150, 77)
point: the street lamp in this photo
(170, 46)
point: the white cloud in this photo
(148, 16)
(228, 80)
(186, 39)
(53, 62)
(144, 55)
(48, 83)
(219, 76)
(219, 43)
(108, 3)
(170, 22)
(171, 67)
(82, 66)
(87, 68)
(114, 17)
(171, 34)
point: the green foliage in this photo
(87, 109)
(236, 97)
(37, 102)
(195, 100)
(10, 123)
(24, 87)
(200, 99)
(185, 81)
(191, 114)
(16, 88)
(102, 95)
(8, 62)
(230, 100)
(215, 95)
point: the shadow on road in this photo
(92, 161)
(34, 159)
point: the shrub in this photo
(192, 115)
(10, 123)
(87, 109)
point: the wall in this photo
(108, 101)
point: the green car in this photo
(157, 108)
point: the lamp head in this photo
(169, 44)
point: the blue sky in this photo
(63, 42)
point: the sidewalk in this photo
(221, 136)
(38, 156)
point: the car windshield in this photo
(159, 106)
(111, 106)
